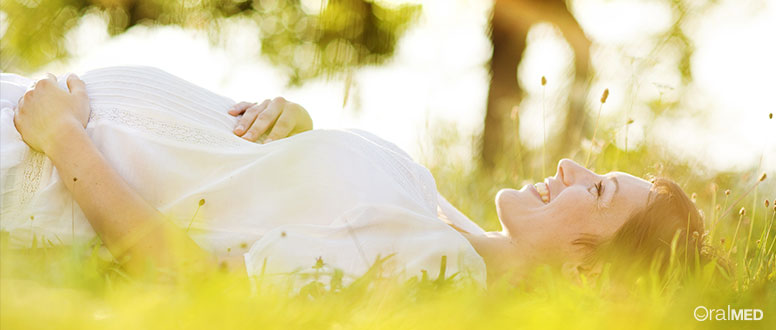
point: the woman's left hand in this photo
(283, 117)
(46, 112)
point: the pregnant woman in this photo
(166, 172)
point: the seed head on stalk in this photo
(604, 96)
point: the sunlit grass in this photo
(82, 287)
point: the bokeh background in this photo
(458, 83)
(696, 77)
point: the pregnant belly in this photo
(150, 91)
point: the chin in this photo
(504, 199)
(505, 194)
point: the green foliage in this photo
(344, 35)
(35, 31)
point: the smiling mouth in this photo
(544, 191)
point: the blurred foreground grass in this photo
(80, 288)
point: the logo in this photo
(701, 313)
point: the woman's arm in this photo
(133, 231)
(53, 121)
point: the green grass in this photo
(80, 288)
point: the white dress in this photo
(345, 197)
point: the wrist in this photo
(67, 136)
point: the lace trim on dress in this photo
(178, 131)
(33, 171)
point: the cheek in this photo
(575, 206)
(575, 213)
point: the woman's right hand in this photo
(46, 112)
(285, 118)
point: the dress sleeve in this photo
(408, 244)
(448, 213)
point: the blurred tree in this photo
(338, 36)
(509, 27)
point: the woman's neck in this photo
(502, 255)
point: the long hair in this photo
(668, 230)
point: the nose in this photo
(569, 172)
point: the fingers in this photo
(20, 103)
(278, 114)
(76, 85)
(265, 119)
(239, 108)
(27, 95)
(50, 79)
(250, 115)
(284, 125)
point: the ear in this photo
(576, 270)
(571, 269)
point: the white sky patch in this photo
(313, 7)
(621, 21)
(735, 74)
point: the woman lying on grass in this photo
(171, 175)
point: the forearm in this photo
(131, 229)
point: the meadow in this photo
(82, 287)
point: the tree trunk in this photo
(509, 26)
(575, 126)
(508, 39)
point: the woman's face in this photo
(545, 218)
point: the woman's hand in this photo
(46, 112)
(284, 117)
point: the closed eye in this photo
(599, 187)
